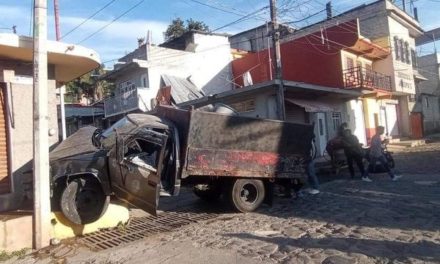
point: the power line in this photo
(216, 8)
(111, 22)
(312, 15)
(87, 19)
(241, 19)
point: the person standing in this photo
(376, 152)
(354, 153)
(311, 177)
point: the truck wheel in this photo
(208, 192)
(83, 201)
(246, 195)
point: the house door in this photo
(320, 133)
(392, 126)
(359, 121)
(5, 186)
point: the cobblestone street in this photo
(350, 221)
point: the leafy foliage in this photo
(178, 27)
(89, 86)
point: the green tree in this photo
(90, 85)
(178, 27)
(175, 29)
(196, 25)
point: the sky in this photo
(120, 36)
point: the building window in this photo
(414, 58)
(396, 48)
(321, 127)
(426, 102)
(144, 80)
(349, 62)
(407, 57)
(126, 86)
(336, 119)
(245, 106)
(402, 50)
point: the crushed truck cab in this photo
(143, 156)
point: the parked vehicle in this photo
(144, 156)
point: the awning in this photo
(312, 106)
(418, 76)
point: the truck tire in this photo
(246, 195)
(83, 201)
(207, 192)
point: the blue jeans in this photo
(383, 161)
(311, 175)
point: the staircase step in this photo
(408, 143)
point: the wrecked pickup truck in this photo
(142, 157)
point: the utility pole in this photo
(57, 20)
(41, 218)
(277, 57)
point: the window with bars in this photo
(336, 119)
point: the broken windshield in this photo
(123, 126)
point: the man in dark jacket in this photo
(354, 152)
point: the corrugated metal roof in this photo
(182, 90)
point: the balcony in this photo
(362, 78)
(131, 100)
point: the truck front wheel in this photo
(246, 195)
(83, 201)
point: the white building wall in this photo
(207, 66)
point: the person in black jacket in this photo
(354, 152)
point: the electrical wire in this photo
(87, 19)
(111, 22)
(241, 19)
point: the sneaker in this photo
(366, 179)
(396, 177)
(314, 191)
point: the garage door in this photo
(4, 161)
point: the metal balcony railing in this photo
(122, 103)
(359, 77)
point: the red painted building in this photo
(337, 57)
(315, 58)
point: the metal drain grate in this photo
(142, 227)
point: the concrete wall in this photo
(258, 38)
(21, 132)
(429, 66)
(431, 113)
(428, 93)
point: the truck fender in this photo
(94, 174)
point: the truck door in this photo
(136, 168)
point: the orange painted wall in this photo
(314, 59)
